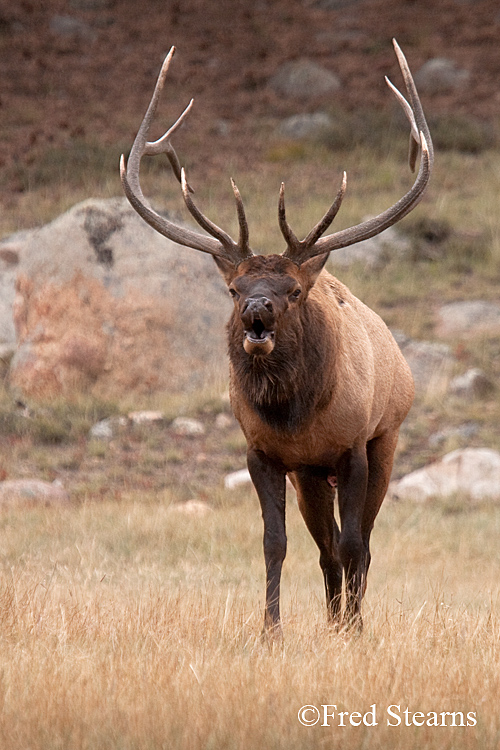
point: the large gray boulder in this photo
(105, 304)
(471, 472)
(9, 262)
(303, 79)
(468, 317)
(305, 126)
(431, 363)
(375, 252)
(440, 75)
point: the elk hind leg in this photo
(380, 454)
(352, 475)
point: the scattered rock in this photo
(375, 252)
(70, 27)
(472, 384)
(237, 478)
(91, 4)
(223, 421)
(469, 317)
(431, 363)
(305, 126)
(106, 305)
(32, 492)
(463, 432)
(108, 428)
(222, 128)
(192, 508)
(146, 417)
(336, 4)
(303, 79)
(473, 472)
(187, 426)
(440, 75)
(10, 251)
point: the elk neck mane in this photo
(288, 387)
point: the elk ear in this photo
(312, 268)
(226, 268)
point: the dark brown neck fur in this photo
(287, 387)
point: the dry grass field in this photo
(131, 625)
(127, 624)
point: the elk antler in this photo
(300, 250)
(219, 244)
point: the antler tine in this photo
(219, 244)
(201, 219)
(293, 242)
(420, 139)
(298, 248)
(242, 219)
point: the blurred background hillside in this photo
(284, 90)
(76, 76)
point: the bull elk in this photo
(317, 382)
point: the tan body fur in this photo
(372, 392)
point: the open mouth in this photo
(258, 338)
(258, 333)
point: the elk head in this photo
(266, 288)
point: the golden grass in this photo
(125, 625)
(133, 626)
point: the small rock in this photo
(335, 4)
(68, 26)
(468, 317)
(192, 508)
(107, 429)
(375, 252)
(187, 426)
(237, 478)
(32, 492)
(430, 363)
(222, 128)
(304, 126)
(146, 417)
(463, 432)
(440, 75)
(223, 421)
(472, 384)
(303, 79)
(91, 4)
(474, 472)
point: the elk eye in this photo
(296, 294)
(234, 294)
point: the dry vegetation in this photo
(127, 625)
(124, 624)
(133, 626)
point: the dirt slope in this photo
(93, 82)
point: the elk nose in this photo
(256, 307)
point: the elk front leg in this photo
(315, 500)
(269, 481)
(352, 476)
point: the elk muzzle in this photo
(258, 320)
